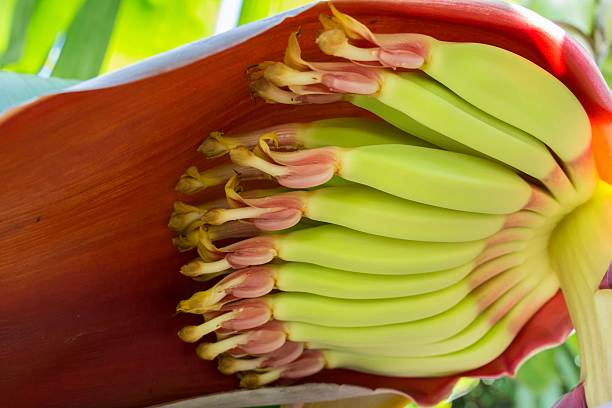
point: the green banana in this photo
(495, 80)
(418, 254)
(429, 101)
(336, 312)
(483, 351)
(425, 101)
(525, 96)
(408, 124)
(310, 278)
(318, 280)
(363, 209)
(429, 176)
(341, 248)
(342, 132)
(533, 290)
(406, 359)
(357, 315)
(431, 329)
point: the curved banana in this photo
(535, 290)
(309, 278)
(425, 100)
(342, 132)
(480, 353)
(502, 288)
(408, 124)
(423, 360)
(525, 95)
(337, 313)
(324, 311)
(495, 80)
(429, 176)
(429, 101)
(360, 208)
(342, 248)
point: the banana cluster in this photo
(415, 246)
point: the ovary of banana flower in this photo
(87, 272)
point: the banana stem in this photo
(581, 251)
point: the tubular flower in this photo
(429, 200)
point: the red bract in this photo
(573, 399)
(87, 273)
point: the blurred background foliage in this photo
(47, 45)
(78, 39)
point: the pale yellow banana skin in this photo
(369, 210)
(429, 329)
(435, 177)
(334, 283)
(483, 351)
(467, 124)
(336, 312)
(341, 248)
(310, 278)
(409, 125)
(516, 91)
(474, 128)
(352, 132)
(468, 336)
(505, 85)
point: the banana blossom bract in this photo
(88, 276)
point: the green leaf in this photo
(22, 13)
(524, 398)
(148, 27)
(253, 10)
(604, 19)
(572, 344)
(569, 372)
(538, 372)
(463, 387)
(577, 13)
(19, 88)
(606, 69)
(87, 40)
(550, 395)
(6, 14)
(50, 18)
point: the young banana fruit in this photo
(416, 246)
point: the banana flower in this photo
(88, 276)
